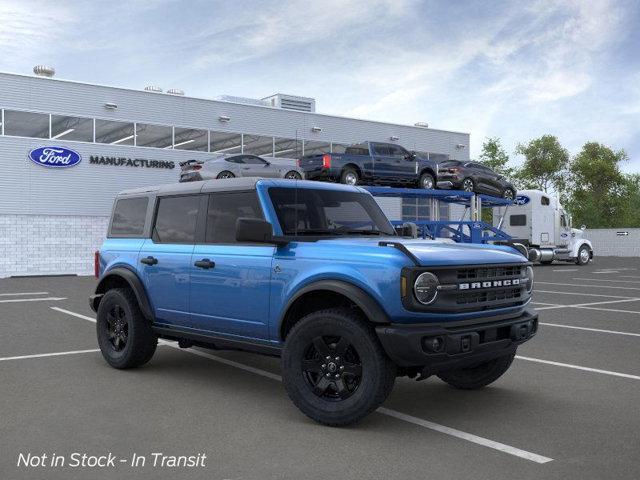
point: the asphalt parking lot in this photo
(568, 408)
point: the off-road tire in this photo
(425, 177)
(478, 376)
(346, 173)
(141, 341)
(378, 372)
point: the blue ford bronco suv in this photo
(311, 272)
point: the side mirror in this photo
(583, 227)
(256, 230)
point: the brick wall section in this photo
(49, 245)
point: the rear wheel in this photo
(225, 174)
(125, 337)
(478, 376)
(334, 368)
(349, 177)
(293, 175)
(584, 255)
(427, 181)
(468, 185)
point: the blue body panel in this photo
(247, 292)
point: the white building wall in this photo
(610, 242)
(49, 244)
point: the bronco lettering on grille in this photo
(489, 284)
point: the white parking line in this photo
(54, 354)
(584, 294)
(44, 299)
(605, 280)
(533, 457)
(466, 436)
(588, 305)
(591, 286)
(579, 367)
(615, 332)
(23, 293)
(611, 310)
(565, 270)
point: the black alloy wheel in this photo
(508, 194)
(332, 368)
(118, 327)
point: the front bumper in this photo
(461, 344)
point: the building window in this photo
(225, 142)
(338, 148)
(114, 133)
(157, 136)
(191, 139)
(26, 124)
(287, 148)
(72, 128)
(312, 147)
(258, 145)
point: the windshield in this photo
(321, 212)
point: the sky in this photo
(514, 70)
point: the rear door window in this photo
(223, 211)
(176, 219)
(129, 216)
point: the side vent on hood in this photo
(403, 249)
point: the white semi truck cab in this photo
(538, 221)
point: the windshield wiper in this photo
(363, 232)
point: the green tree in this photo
(495, 157)
(545, 164)
(599, 191)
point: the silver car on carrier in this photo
(240, 165)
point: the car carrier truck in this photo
(538, 221)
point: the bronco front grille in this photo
(474, 288)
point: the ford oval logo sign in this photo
(521, 200)
(55, 157)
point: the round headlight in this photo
(529, 278)
(426, 288)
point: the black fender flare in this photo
(134, 283)
(369, 306)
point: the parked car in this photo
(372, 163)
(312, 272)
(230, 166)
(474, 177)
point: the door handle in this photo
(149, 260)
(205, 263)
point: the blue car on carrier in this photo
(311, 272)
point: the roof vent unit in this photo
(292, 102)
(175, 91)
(44, 71)
(422, 124)
(153, 88)
(243, 100)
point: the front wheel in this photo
(427, 181)
(225, 174)
(584, 255)
(334, 368)
(125, 337)
(468, 185)
(478, 376)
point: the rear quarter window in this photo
(128, 217)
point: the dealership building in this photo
(52, 219)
